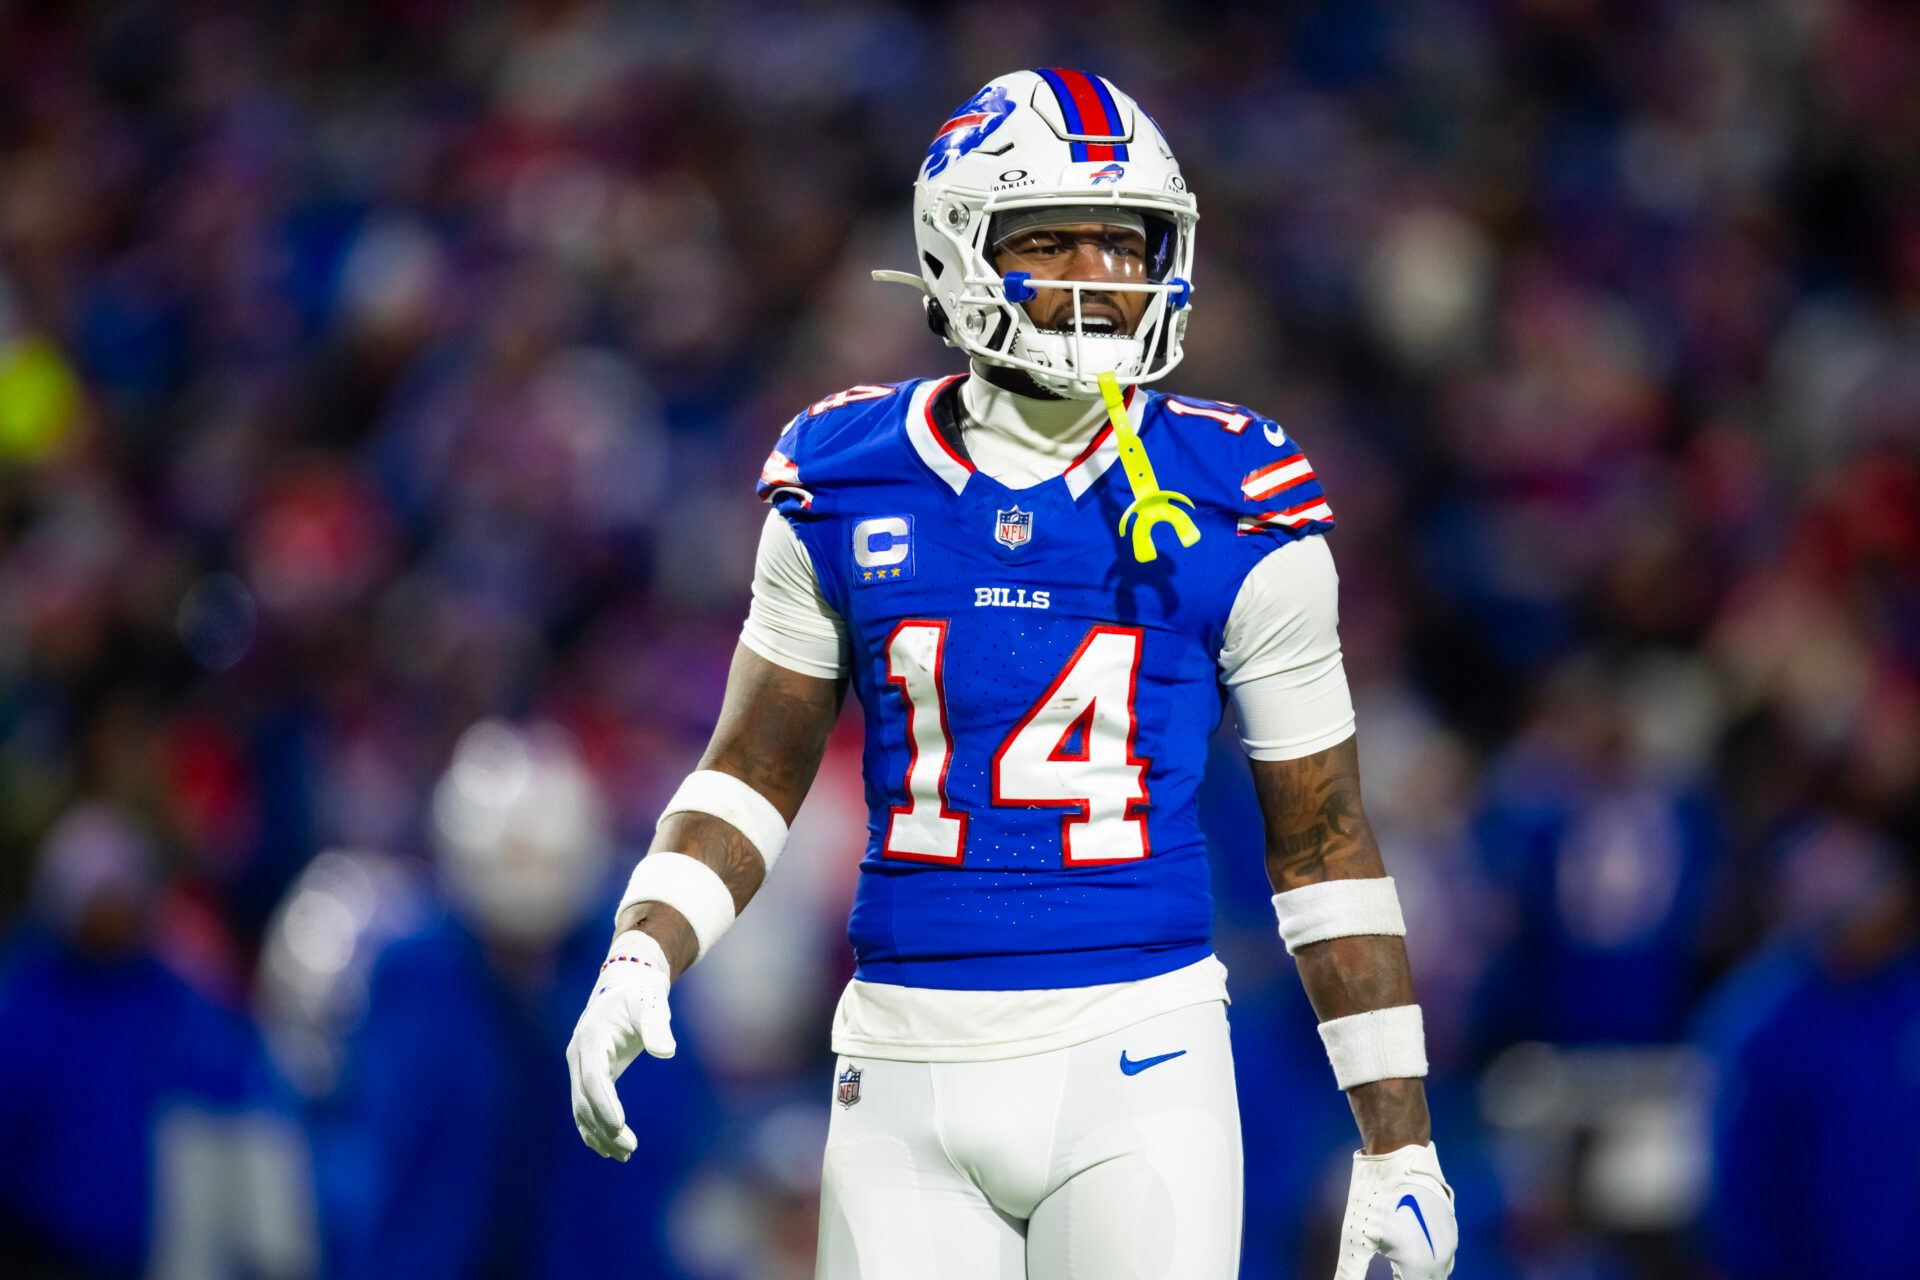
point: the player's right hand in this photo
(626, 1013)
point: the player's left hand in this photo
(1399, 1205)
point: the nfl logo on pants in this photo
(1013, 528)
(849, 1091)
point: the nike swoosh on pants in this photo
(1135, 1068)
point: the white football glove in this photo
(626, 1013)
(1399, 1205)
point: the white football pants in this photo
(1058, 1166)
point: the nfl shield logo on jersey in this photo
(849, 1090)
(1013, 529)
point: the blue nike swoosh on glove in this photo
(1135, 1068)
(1408, 1202)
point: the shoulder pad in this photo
(1279, 492)
(852, 395)
(811, 436)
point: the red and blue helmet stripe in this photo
(1090, 111)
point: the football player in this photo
(1034, 1077)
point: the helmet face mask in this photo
(1045, 243)
(1067, 147)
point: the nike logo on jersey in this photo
(1408, 1202)
(1011, 598)
(1130, 1068)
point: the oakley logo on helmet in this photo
(968, 127)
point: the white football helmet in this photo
(1030, 140)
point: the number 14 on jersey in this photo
(1073, 750)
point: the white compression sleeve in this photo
(1281, 660)
(790, 622)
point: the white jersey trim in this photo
(1081, 474)
(926, 442)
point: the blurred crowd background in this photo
(382, 387)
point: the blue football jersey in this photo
(1038, 703)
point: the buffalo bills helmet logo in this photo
(1110, 173)
(977, 117)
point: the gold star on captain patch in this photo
(867, 576)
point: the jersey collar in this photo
(941, 457)
(954, 469)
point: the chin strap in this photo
(1151, 504)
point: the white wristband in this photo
(723, 796)
(690, 887)
(1381, 1044)
(1338, 909)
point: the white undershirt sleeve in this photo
(790, 622)
(1280, 659)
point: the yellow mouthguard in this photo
(1151, 504)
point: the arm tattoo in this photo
(1316, 828)
(773, 729)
